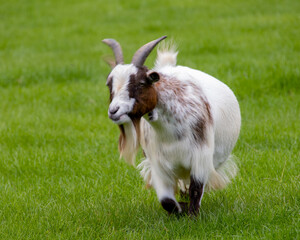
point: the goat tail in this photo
(166, 55)
(223, 175)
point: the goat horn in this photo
(116, 47)
(141, 55)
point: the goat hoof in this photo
(169, 205)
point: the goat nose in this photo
(113, 110)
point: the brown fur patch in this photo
(171, 88)
(171, 84)
(203, 121)
(143, 92)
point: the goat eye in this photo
(144, 83)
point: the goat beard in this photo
(129, 140)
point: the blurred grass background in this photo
(60, 177)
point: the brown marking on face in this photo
(109, 85)
(141, 89)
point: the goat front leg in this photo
(164, 188)
(196, 191)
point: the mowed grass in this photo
(60, 177)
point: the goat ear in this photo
(110, 61)
(153, 77)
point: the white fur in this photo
(120, 77)
(171, 159)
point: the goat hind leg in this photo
(196, 191)
(201, 168)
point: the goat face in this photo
(132, 94)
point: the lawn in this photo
(60, 173)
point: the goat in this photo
(186, 121)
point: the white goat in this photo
(186, 121)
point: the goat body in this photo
(186, 121)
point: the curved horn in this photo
(140, 55)
(116, 47)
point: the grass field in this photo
(60, 177)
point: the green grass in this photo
(60, 177)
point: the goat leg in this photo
(195, 191)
